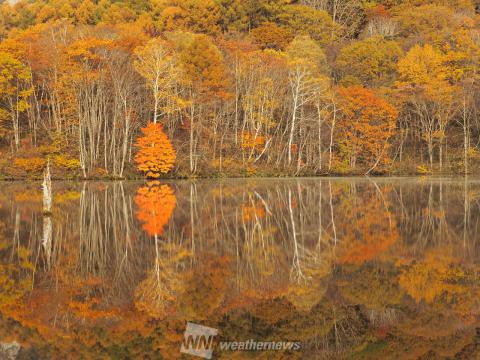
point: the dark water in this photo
(350, 268)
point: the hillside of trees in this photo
(239, 87)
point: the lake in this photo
(330, 268)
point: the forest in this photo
(212, 88)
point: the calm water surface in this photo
(350, 268)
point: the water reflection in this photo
(349, 267)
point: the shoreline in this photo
(289, 177)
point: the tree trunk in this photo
(47, 190)
(332, 129)
(192, 138)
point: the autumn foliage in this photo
(156, 154)
(367, 124)
(155, 204)
(250, 141)
(287, 74)
(370, 231)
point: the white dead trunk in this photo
(47, 190)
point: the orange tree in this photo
(367, 123)
(156, 154)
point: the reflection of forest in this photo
(367, 268)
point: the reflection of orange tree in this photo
(195, 293)
(159, 289)
(155, 204)
(369, 228)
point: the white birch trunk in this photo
(47, 190)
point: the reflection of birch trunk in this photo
(383, 317)
(157, 264)
(158, 290)
(16, 231)
(122, 231)
(384, 202)
(331, 214)
(337, 341)
(267, 208)
(106, 247)
(428, 222)
(237, 248)
(296, 271)
(47, 190)
(47, 238)
(257, 253)
(465, 211)
(442, 222)
(92, 236)
(105, 230)
(126, 216)
(319, 243)
(193, 191)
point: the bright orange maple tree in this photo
(156, 154)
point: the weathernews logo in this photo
(199, 341)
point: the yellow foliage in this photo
(423, 170)
(67, 196)
(28, 196)
(250, 170)
(426, 68)
(30, 165)
(15, 85)
(473, 153)
(66, 162)
(436, 276)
